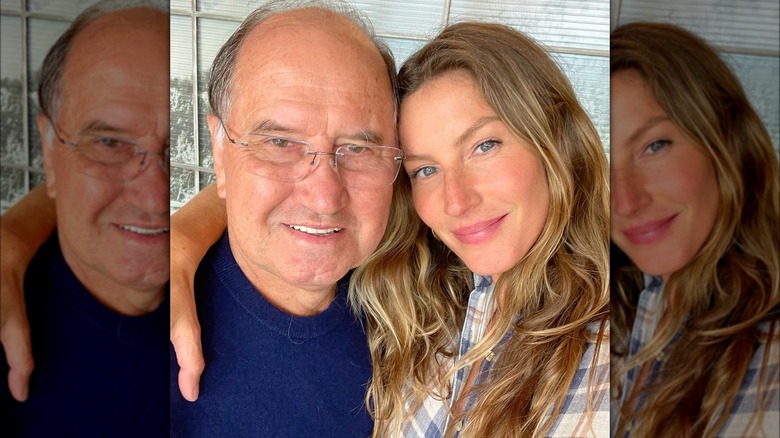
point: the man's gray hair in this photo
(222, 75)
(53, 66)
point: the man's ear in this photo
(217, 149)
(46, 132)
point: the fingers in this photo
(189, 355)
(19, 382)
(185, 337)
(15, 336)
(23, 229)
(185, 328)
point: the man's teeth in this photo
(315, 231)
(145, 231)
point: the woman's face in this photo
(481, 189)
(664, 192)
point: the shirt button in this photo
(459, 425)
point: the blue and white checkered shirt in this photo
(574, 420)
(746, 418)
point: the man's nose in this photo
(323, 191)
(161, 158)
(151, 186)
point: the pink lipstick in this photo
(478, 232)
(649, 232)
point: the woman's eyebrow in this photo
(474, 128)
(646, 127)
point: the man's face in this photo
(113, 234)
(299, 78)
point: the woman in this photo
(695, 209)
(507, 173)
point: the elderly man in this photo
(96, 291)
(301, 108)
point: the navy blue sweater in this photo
(97, 373)
(270, 374)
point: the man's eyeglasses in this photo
(110, 157)
(286, 159)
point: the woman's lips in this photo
(478, 232)
(649, 232)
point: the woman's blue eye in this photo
(656, 146)
(487, 145)
(424, 172)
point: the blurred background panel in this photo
(28, 28)
(745, 32)
(575, 32)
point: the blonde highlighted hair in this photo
(413, 289)
(731, 284)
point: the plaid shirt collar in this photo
(431, 420)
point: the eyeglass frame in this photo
(164, 155)
(398, 159)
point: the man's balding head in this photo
(331, 13)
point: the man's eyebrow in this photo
(370, 137)
(102, 126)
(646, 127)
(268, 125)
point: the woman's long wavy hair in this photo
(731, 285)
(414, 290)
